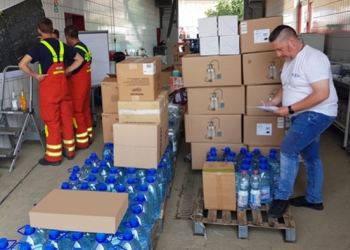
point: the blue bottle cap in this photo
(111, 180)
(272, 155)
(227, 150)
(130, 180)
(263, 166)
(54, 234)
(93, 156)
(50, 247)
(28, 230)
(211, 158)
(127, 235)
(214, 154)
(232, 154)
(263, 159)
(94, 170)
(121, 188)
(136, 209)
(212, 149)
(73, 177)
(256, 151)
(103, 164)
(102, 187)
(77, 235)
(84, 186)
(109, 144)
(144, 187)
(24, 246)
(273, 150)
(150, 179)
(108, 158)
(134, 222)
(76, 169)
(92, 177)
(113, 170)
(161, 165)
(100, 237)
(65, 185)
(247, 161)
(152, 171)
(131, 170)
(87, 161)
(140, 198)
(249, 155)
(243, 150)
(245, 166)
(3, 243)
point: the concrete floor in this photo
(327, 229)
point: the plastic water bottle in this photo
(211, 150)
(58, 240)
(243, 192)
(248, 162)
(107, 150)
(73, 181)
(103, 169)
(101, 242)
(255, 195)
(145, 220)
(84, 186)
(50, 247)
(168, 164)
(120, 188)
(95, 161)
(226, 153)
(275, 167)
(155, 191)
(242, 154)
(6, 244)
(30, 235)
(74, 170)
(79, 240)
(21, 246)
(131, 173)
(211, 159)
(65, 185)
(276, 152)
(128, 241)
(85, 170)
(265, 184)
(146, 206)
(96, 172)
(256, 158)
(110, 182)
(143, 189)
(102, 187)
(109, 161)
(160, 180)
(130, 187)
(93, 183)
(215, 156)
(113, 171)
(141, 175)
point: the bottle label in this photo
(242, 198)
(265, 193)
(255, 197)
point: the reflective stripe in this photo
(89, 70)
(46, 131)
(40, 70)
(54, 54)
(70, 149)
(75, 124)
(51, 146)
(68, 141)
(53, 153)
(88, 54)
(58, 72)
(89, 129)
(82, 135)
(82, 140)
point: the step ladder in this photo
(17, 135)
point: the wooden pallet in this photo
(242, 219)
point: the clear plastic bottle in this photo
(110, 182)
(23, 100)
(242, 154)
(103, 170)
(160, 180)
(265, 184)
(79, 240)
(74, 170)
(96, 172)
(130, 187)
(131, 173)
(73, 181)
(50, 247)
(101, 242)
(128, 241)
(95, 161)
(145, 220)
(255, 195)
(109, 161)
(107, 150)
(85, 170)
(143, 189)
(32, 236)
(21, 246)
(243, 192)
(256, 158)
(14, 103)
(226, 153)
(58, 240)
(146, 206)
(84, 186)
(155, 191)
(141, 175)
(93, 183)
(6, 244)
(211, 150)
(275, 167)
(102, 187)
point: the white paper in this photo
(244, 28)
(149, 68)
(261, 36)
(265, 108)
(264, 129)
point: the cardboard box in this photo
(256, 67)
(226, 71)
(254, 33)
(108, 119)
(228, 128)
(199, 151)
(179, 51)
(175, 83)
(139, 79)
(263, 130)
(228, 25)
(209, 45)
(256, 94)
(265, 150)
(211, 100)
(71, 210)
(165, 74)
(145, 111)
(140, 145)
(110, 95)
(219, 187)
(229, 45)
(207, 27)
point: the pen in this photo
(263, 103)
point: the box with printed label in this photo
(258, 68)
(140, 145)
(145, 111)
(72, 210)
(211, 100)
(229, 45)
(207, 27)
(199, 151)
(165, 74)
(139, 79)
(263, 130)
(108, 119)
(257, 94)
(254, 33)
(264, 150)
(179, 51)
(175, 83)
(110, 95)
(211, 71)
(219, 190)
(213, 128)
(228, 25)
(209, 46)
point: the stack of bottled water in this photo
(174, 126)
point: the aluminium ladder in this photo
(17, 135)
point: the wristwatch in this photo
(290, 110)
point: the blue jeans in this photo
(303, 138)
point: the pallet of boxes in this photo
(225, 85)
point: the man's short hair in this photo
(282, 32)
(57, 33)
(71, 31)
(45, 25)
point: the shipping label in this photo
(149, 68)
(264, 129)
(261, 36)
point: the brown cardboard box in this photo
(110, 95)
(212, 101)
(179, 51)
(139, 79)
(199, 151)
(228, 128)
(227, 70)
(165, 74)
(145, 111)
(263, 130)
(258, 93)
(265, 150)
(255, 67)
(71, 210)
(107, 126)
(140, 145)
(219, 187)
(254, 33)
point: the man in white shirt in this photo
(309, 97)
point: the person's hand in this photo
(282, 111)
(68, 73)
(269, 103)
(41, 77)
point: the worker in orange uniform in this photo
(55, 102)
(80, 86)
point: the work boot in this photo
(278, 208)
(300, 201)
(45, 162)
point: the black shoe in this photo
(278, 208)
(77, 148)
(300, 201)
(69, 157)
(44, 162)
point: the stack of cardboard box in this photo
(261, 129)
(141, 135)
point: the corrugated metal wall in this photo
(287, 8)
